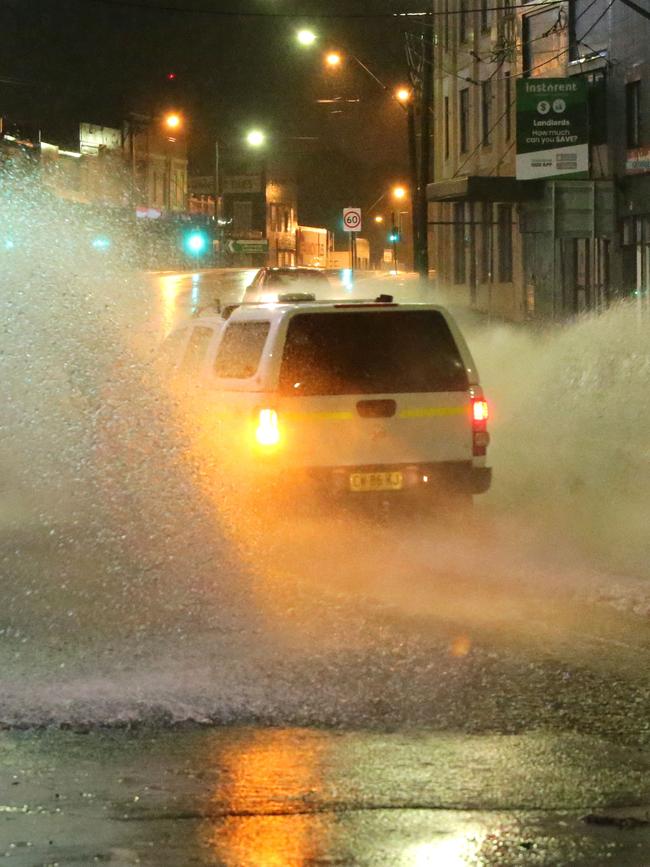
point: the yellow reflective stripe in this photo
(431, 411)
(344, 415)
(324, 415)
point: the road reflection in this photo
(272, 782)
(178, 295)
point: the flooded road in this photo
(183, 681)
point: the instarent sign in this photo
(552, 128)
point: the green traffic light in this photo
(196, 243)
(101, 242)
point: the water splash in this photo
(131, 590)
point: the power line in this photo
(528, 71)
(235, 13)
(638, 9)
(421, 15)
(501, 61)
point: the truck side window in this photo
(240, 351)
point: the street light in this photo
(379, 218)
(173, 120)
(403, 95)
(333, 59)
(306, 37)
(255, 138)
(399, 192)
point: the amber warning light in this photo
(268, 430)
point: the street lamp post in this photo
(405, 97)
(254, 138)
(394, 235)
(173, 122)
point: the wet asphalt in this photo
(265, 796)
(480, 724)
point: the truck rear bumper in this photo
(452, 477)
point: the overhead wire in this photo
(530, 42)
(528, 71)
(422, 14)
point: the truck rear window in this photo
(370, 352)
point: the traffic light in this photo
(101, 243)
(196, 242)
(393, 237)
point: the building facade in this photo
(547, 247)
(259, 212)
(157, 159)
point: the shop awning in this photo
(481, 188)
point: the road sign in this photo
(260, 245)
(352, 219)
(552, 128)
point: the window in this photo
(463, 21)
(445, 34)
(633, 113)
(486, 243)
(459, 244)
(239, 353)
(370, 352)
(597, 107)
(545, 40)
(463, 120)
(242, 218)
(485, 16)
(446, 131)
(486, 110)
(505, 243)
(507, 96)
(196, 348)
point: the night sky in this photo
(63, 61)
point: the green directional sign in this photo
(260, 245)
(552, 128)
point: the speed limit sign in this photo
(352, 219)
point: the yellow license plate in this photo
(362, 482)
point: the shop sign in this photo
(637, 161)
(552, 128)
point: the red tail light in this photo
(480, 435)
(479, 411)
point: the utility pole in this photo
(426, 110)
(394, 234)
(413, 169)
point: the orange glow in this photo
(480, 410)
(403, 94)
(399, 192)
(333, 59)
(173, 120)
(460, 646)
(268, 430)
(379, 219)
(263, 776)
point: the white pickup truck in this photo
(353, 398)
